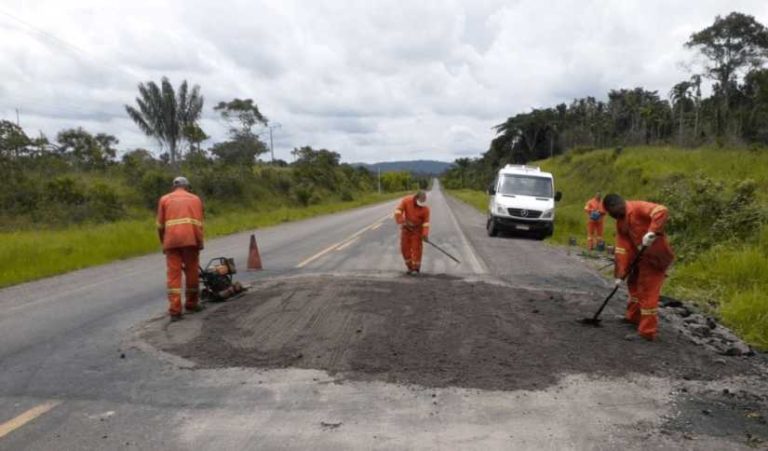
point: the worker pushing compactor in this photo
(640, 225)
(180, 228)
(413, 216)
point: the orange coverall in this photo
(410, 237)
(594, 227)
(646, 281)
(180, 227)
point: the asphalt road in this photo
(71, 376)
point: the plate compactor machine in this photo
(217, 280)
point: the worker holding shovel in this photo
(640, 225)
(413, 216)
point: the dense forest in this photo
(734, 50)
(83, 177)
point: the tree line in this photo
(77, 176)
(734, 50)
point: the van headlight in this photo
(501, 210)
(548, 213)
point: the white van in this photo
(522, 200)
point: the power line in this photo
(51, 37)
(72, 48)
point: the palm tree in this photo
(696, 82)
(164, 114)
(678, 96)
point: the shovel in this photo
(595, 320)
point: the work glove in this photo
(649, 238)
(424, 238)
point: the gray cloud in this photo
(374, 81)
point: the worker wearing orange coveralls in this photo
(641, 224)
(180, 228)
(413, 216)
(595, 220)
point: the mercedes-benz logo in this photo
(524, 213)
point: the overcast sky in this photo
(373, 80)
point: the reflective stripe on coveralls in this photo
(186, 260)
(411, 245)
(645, 285)
(180, 227)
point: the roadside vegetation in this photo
(718, 201)
(706, 158)
(79, 200)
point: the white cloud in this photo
(379, 80)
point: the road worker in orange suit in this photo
(413, 216)
(180, 227)
(595, 220)
(641, 225)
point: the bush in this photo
(153, 185)
(220, 184)
(21, 196)
(303, 194)
(104, 203)
(704, 213)
(65, 190)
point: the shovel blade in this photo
(594, 322)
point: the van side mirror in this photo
(558, 196)
(491, 189)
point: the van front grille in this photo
(522, 213)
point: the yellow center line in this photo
(15, 423)
(342, 242)
(348, 243)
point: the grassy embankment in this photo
(29, 255)
(729, 279)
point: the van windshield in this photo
(526, 185)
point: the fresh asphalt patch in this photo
(440, 332)
(429, 331)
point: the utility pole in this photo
(379, 179)
(18, 124)
(271, 143)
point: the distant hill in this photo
(429, 167)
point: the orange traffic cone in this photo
(254, 260)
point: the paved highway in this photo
(71, 377)
(61, 338)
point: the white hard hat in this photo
(180, 181)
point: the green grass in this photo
(477, 199)
(729, 281)
(638, 173)
(29, 255)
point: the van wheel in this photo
(491, 228)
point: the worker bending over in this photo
(595, 219)
(180, 227)
(413, 216)
(641, 225)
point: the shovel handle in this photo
(441, 250)
(616, 288)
